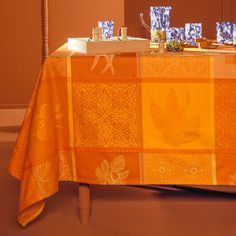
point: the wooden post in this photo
(44, 29)
(84, 203)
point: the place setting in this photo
(163, 36)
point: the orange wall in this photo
(229, 10)
(20, 50)
(20, 31)
(73, 18)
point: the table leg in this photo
(84, 203)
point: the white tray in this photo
(113, 45)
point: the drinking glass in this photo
(174, 33)
(107, 29)
(224, 32)
(192, 32)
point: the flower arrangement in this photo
(174, 46)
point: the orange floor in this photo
(116, 210)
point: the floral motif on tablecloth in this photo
(174, 116)
(184, 168)
(105, 115)
(174, 123)
(197, 67)
(113, 172)
(65, 165)
(225, 115)
(46, 178)
(46, 119)
(19, 152)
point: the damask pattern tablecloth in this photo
(127, 119)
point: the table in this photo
(131, 119)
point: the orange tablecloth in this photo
(127, 119)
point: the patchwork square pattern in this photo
(174, 116)
(105, 115)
